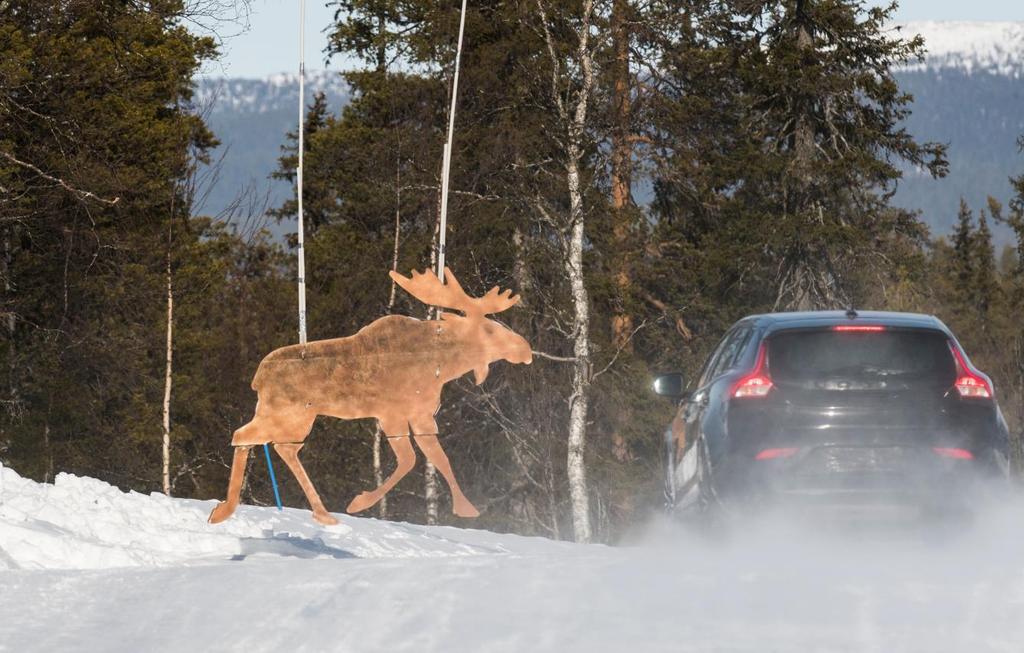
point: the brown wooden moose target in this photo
(392, 369)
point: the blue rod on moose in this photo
(273, 479)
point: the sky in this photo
(270, 43)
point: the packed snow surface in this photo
(86, 567)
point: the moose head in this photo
(482, 341)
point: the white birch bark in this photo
(574, 118)
(576, 464)
(378, 435)
(429, 471)
(580, 399)
(378, 472)
(169, 368)
(430, 492)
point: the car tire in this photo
(708, 496)
(669, 488)
(697, 502)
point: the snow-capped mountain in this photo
(970, 46)
(251, 118)
(968, 92)
(278, 92)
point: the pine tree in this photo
(984, 281)
(809, 178)
(1015, 220)
(316, 197)
(963, 259)
(94, 142)
(1015, 334)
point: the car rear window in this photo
(829, 359)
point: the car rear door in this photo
(706, 408)
(686, 427)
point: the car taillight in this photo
(869, 328)
(950, 452)
(772, 454)
(969, 383)
(755, 384)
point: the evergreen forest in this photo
(642, 172)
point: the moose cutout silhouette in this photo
(392, 369)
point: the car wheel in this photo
(689, 486)
(707, 497)
(670, 468)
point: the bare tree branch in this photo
(552, 357)
(81, 194)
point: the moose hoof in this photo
(464, 508)
(361, 502)
(221, 512)
(325, 518)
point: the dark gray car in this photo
(834, 408)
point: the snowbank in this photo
(83, 523)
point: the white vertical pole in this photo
(298, 176)
(446, 165)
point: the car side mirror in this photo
(670, 385)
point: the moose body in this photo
(393, 370)
(395, 356)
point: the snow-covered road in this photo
(85, 567)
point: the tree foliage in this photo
(764, 140)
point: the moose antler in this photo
(426, 287)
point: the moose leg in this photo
(426, 440)
(227, 507)
(290, 455)
(406, 457)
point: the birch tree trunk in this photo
(429, 471)
(578, 410)
(430, 491)
(47, 445)
(378, 471)
(169, 368)
(580, 398)
(572, 114)
(520, 271)
(12, 403)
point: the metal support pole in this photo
(273, 478)
(298, 176)
(447, 164)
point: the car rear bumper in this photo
(856, 478)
